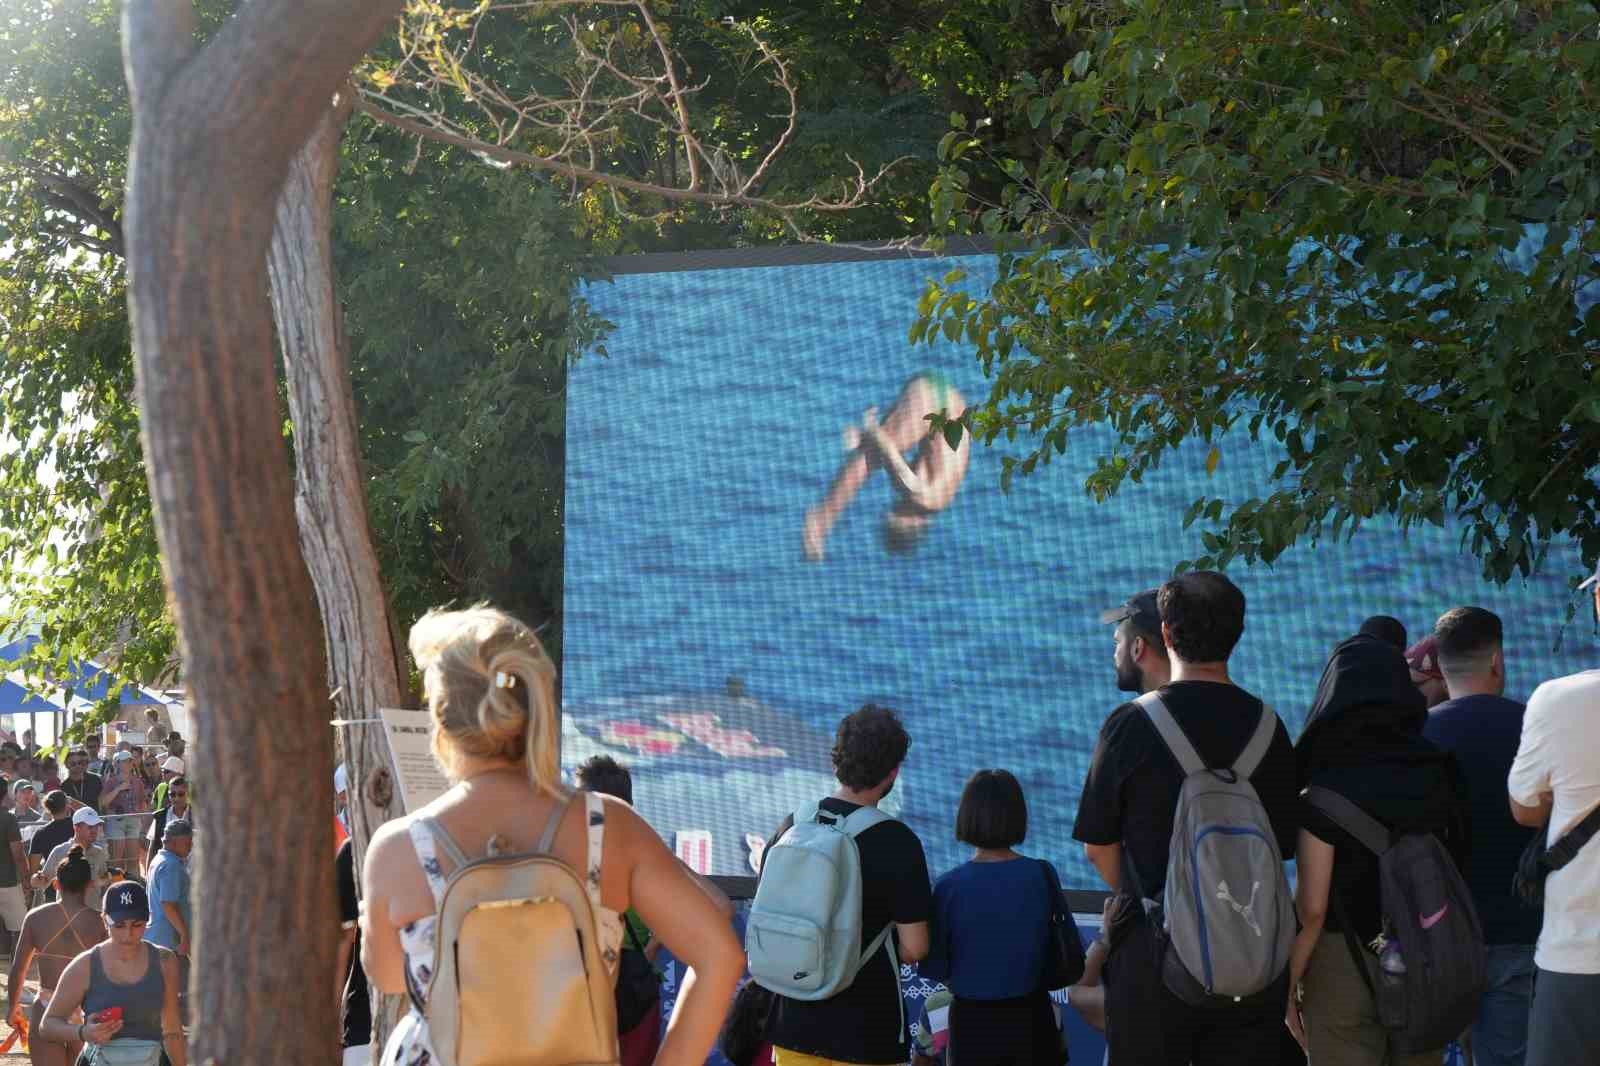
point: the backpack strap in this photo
(1249, 759)
(445, 841)
(1368, 831)
(1171, 733)
(422, 842)
(1566, 849)
(860, 820)
(551, 827)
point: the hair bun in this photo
(503, 711)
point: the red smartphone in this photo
(110, 1014)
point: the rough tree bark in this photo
(213, 133)
(365, 658)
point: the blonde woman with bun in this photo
(490, 690)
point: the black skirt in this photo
(1004, 1032)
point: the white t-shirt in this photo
(1559, 756)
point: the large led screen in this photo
(707, 649)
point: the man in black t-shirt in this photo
(58, 831)
(863, 1024)
(1125, 818)
(355, 1005)
(81, 787)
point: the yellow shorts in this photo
(785, 1057)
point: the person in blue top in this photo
(169, 889)
(991, 923)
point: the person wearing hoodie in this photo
(1362, 740)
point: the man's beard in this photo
(1129, 677)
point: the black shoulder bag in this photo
(1538, 862)
(1063, 948)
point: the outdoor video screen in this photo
(713, 638)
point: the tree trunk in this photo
(365, 662)
(213, 132)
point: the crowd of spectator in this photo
(95, 897)
(1414, 798)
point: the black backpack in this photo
(1433, 969)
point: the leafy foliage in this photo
(458, 286)
(77, 545)
(460, 305)
(1362, 230)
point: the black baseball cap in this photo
(126, 901)
(1141, 608)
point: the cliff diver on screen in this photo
(924, 487)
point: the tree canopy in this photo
(1362, 230)
(459, 282)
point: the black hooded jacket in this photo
(1363, 739)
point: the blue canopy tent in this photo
(85, 683)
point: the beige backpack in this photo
(520, 977)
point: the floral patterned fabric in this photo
(408, 1044)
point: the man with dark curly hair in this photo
(1125, 819)
(863, 1023)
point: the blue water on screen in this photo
(694, 450)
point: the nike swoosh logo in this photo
(1431, 920)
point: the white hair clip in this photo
(504, 680)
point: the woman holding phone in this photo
(127, 989)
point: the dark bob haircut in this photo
(870, 743)
(993, 812)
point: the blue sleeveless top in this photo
(140, 1001)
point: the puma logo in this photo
(1243, 910)
(1431, 920)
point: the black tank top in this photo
(140, 1001)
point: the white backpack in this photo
(804, 933)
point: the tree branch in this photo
(626, 76)
(588, 176)
(69, 197)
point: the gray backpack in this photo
(804, 934)
(1227, 917)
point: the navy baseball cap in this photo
(1141, 608)
(126, 901)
